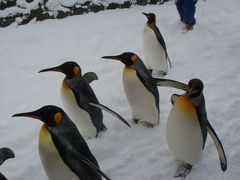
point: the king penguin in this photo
(141, 88)
(154, 47)
(5, 154)
(187, 128)
(63, 151)
(80, 101)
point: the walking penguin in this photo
(141, 88)
(154, 47)
(63, 151)
(80, 101)
(187, 128)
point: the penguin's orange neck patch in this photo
(127, 68)
(130, 74)
(44, 130)
(64, 84)
(185, 103)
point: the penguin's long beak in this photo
(33, 114)
(145, 14)
(6, 153)
(55, 69)
(118, 58)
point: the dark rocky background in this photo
(12, 11)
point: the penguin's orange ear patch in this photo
(134, 58)
(58, 117)
(76, 70)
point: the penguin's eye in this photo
(58, 117)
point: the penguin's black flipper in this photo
(69, 143)
(218, 145)
(170, 64)
(90, 164)
(170, 83)
(85, 94)
(2, 177)
(161, 41)
(90, 77)
(5, 153)
(158, 35)
(100, 106)
(76, 163)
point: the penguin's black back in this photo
(147, 79)
(84, 94)
(158, 35)
(68, 142)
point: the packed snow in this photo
(209, 52)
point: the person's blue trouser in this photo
(186, 10)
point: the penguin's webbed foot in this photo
(104, 128)
(183, 170)
(148, 125)
(161, 73)
(135, 121)
(157, 73)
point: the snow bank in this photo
(23, 11)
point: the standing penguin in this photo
(141, 88)
(5, 153)
(187, 128)
(63, 151)
(154, 47)
(80, 101)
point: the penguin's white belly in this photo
(154, 53)
(53, 164)
(184, 136)
(142, 102)
(79, 116)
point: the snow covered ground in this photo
(210, 52)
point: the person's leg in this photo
(179, 6)
(189, 9)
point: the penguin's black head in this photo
(70, 69)
(127, 58)
(195, 88)
(50, 115)
(151, 17)
(6, 153)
